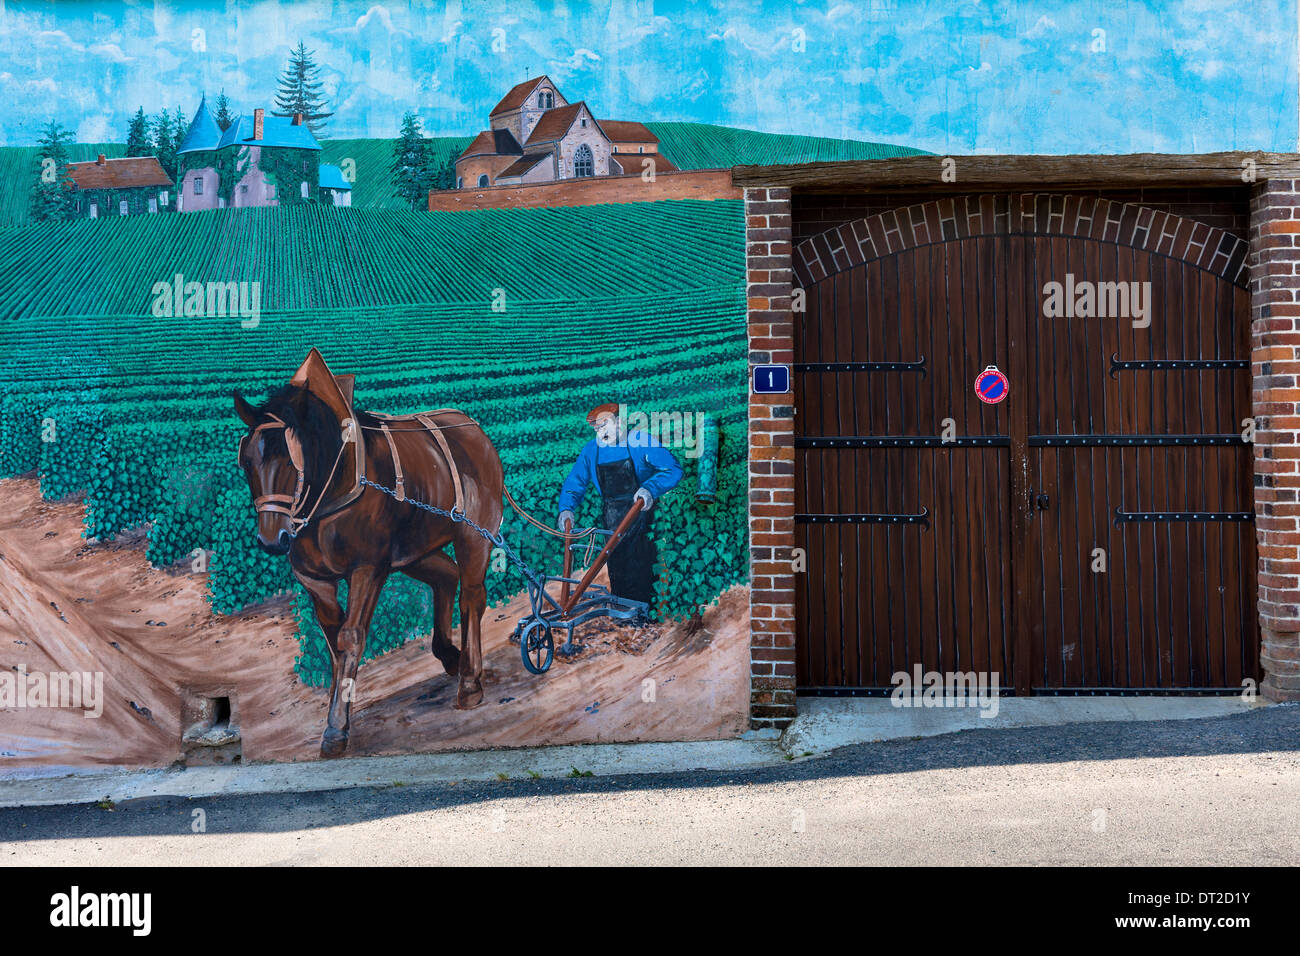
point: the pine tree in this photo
(166, 137)
(410, 168)
(223, 117)
(442, 173)
(137, 135)
(444, 176)
(300, 91)
(51, 192)
(160, 129)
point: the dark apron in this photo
(631, 563)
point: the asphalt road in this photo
(1223, 791)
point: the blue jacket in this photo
(656, 468)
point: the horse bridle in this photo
(290, 505)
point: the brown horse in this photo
(305, 457)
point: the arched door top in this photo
(1035, 214)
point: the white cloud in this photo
(95, 129)
(58, 37)
(1041, 28)
(1207, 70)
(625, 37)
(769, 38)
(165, 61)
(32, 88)
(581, 57)
(111, 51)
(377, 17)
(453, 30)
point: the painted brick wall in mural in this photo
(287, 460)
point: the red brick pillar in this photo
(771, 461)
(1275, 362)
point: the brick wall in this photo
(771, 461)
(1222, 208)
(1275, 361)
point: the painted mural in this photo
(375, 561)
(292, 466)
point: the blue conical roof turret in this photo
(204, 133)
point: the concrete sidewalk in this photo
(823, 725)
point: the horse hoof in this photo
(333, 743)
(467, 699)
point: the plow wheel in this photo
(537, 647)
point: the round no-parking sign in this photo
(991, 386)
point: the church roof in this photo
(500, 142)
(523, 164)
(633, 162)
(555, 123)
(623, 131)
(518, 95)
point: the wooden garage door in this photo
(1092, 532)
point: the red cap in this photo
(601, 410)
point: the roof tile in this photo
(555, 123)
(127, 172)
(276, 131)
(624, 131)
(523, 164)
(517, 95)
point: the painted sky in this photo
(942, 75)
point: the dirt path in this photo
(66, 605)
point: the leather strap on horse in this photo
(399, 487)
(290, 505)
(282, 503)
(433, 427)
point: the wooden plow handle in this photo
(601, 558)
(568, 561)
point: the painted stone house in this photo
(127, 186)
(259, 160)
(537, 136)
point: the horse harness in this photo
(291, 505)
(425, 419)
(281, 503)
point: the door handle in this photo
(1042, 500)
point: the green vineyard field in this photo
(702, 146)
(317, 257)
(637, 303)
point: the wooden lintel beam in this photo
(1031, 172)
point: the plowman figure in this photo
(625, 467)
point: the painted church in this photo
(535, 135)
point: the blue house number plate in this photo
(771, 379)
